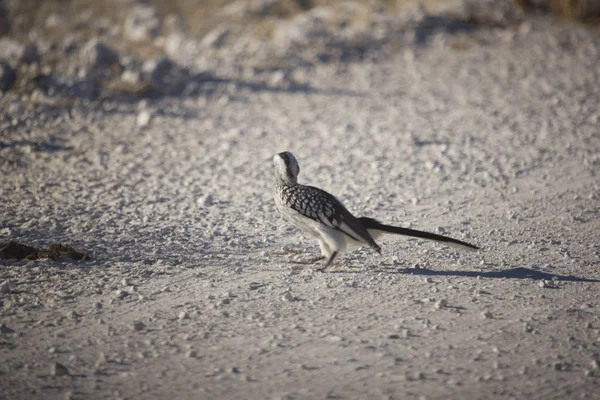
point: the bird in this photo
(321, 215)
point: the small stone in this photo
(595, 364)
(98, 305)
(125, 282)
(206, 200)
(5, 286)
(288, 296)
(96, 54)
(428, 280)
(143, 118)
(216, 37)
(183, 315)
(30, 55)
(441, 304)
(192, 354)
(138, 325)
(166, 76)
(121, 294)
(11, 50)
(486, 315)
(73, 315)
(101, 360)
(165, 289)
(7, 76)
(58, 369)
(5, 329)
(239, 269)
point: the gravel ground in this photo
(195, 289)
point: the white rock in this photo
(143, 118)
(206, 200)
(132, 77)
(5, 286)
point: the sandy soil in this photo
(194, 290)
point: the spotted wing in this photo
(322, 207)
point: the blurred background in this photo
(83, 49)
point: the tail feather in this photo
(370, 223)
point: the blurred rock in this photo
(97, 55)
(141, 24)
(30, 54)
(216, 37)
(11, 50)
(166, 77)
(69, 43)
(173, 43)
(245, 8)
(5, 329)
(53, 20)
(7, 76)
(132, 76)
(58, 369)
(143, 118)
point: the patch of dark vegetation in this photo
(56, 251)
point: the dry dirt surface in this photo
(196, 288)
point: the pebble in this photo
(206, 200)
(5, 329)
(5, 286)
(143, 118)
(7, 76)
(595, 364)
(288, 296)
(138, 325)
(183, 315)
(486, 315)
(441, 304)
(95, 54)
(192, 354)
(216, 37)
(58, 369)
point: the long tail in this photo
(370, 223)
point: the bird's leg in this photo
(328, 263)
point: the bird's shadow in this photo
(511, 273)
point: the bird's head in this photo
(286, 167)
